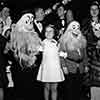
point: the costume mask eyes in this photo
(27, 22)
(29, 19)
(75, 27)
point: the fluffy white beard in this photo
(75, 43)
(68, 41)
(24, 29)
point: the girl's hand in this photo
(65, 70)
(40, 48)
(63, 54)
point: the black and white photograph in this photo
(49, 50)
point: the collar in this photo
(36, 21)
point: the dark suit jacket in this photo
(3, 62)
(59, 26)
(42, 33)
(3, 58)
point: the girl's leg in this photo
(54, 91)
(46, 91)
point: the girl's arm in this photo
(41, 47)
(62, 53)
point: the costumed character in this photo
(24, 40)
(23, 45)
(74, 43)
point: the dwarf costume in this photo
(24, 40)
(74, 44)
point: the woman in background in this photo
(91, 30)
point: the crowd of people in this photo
(48, 54)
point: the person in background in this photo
(7, 21)
(3, 63)
(61, 20)
(91, 30)
(39, 23)
(69, 16)
(5, 15)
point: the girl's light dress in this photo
(50, 69)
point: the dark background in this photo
(80, 7)
(25, 87)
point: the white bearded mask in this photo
(25, 41)
(74, 28)
(26, 22)
(72, 36)
(74, 25)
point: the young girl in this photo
(50, 70)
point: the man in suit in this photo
(39, 23)
(60, 24)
